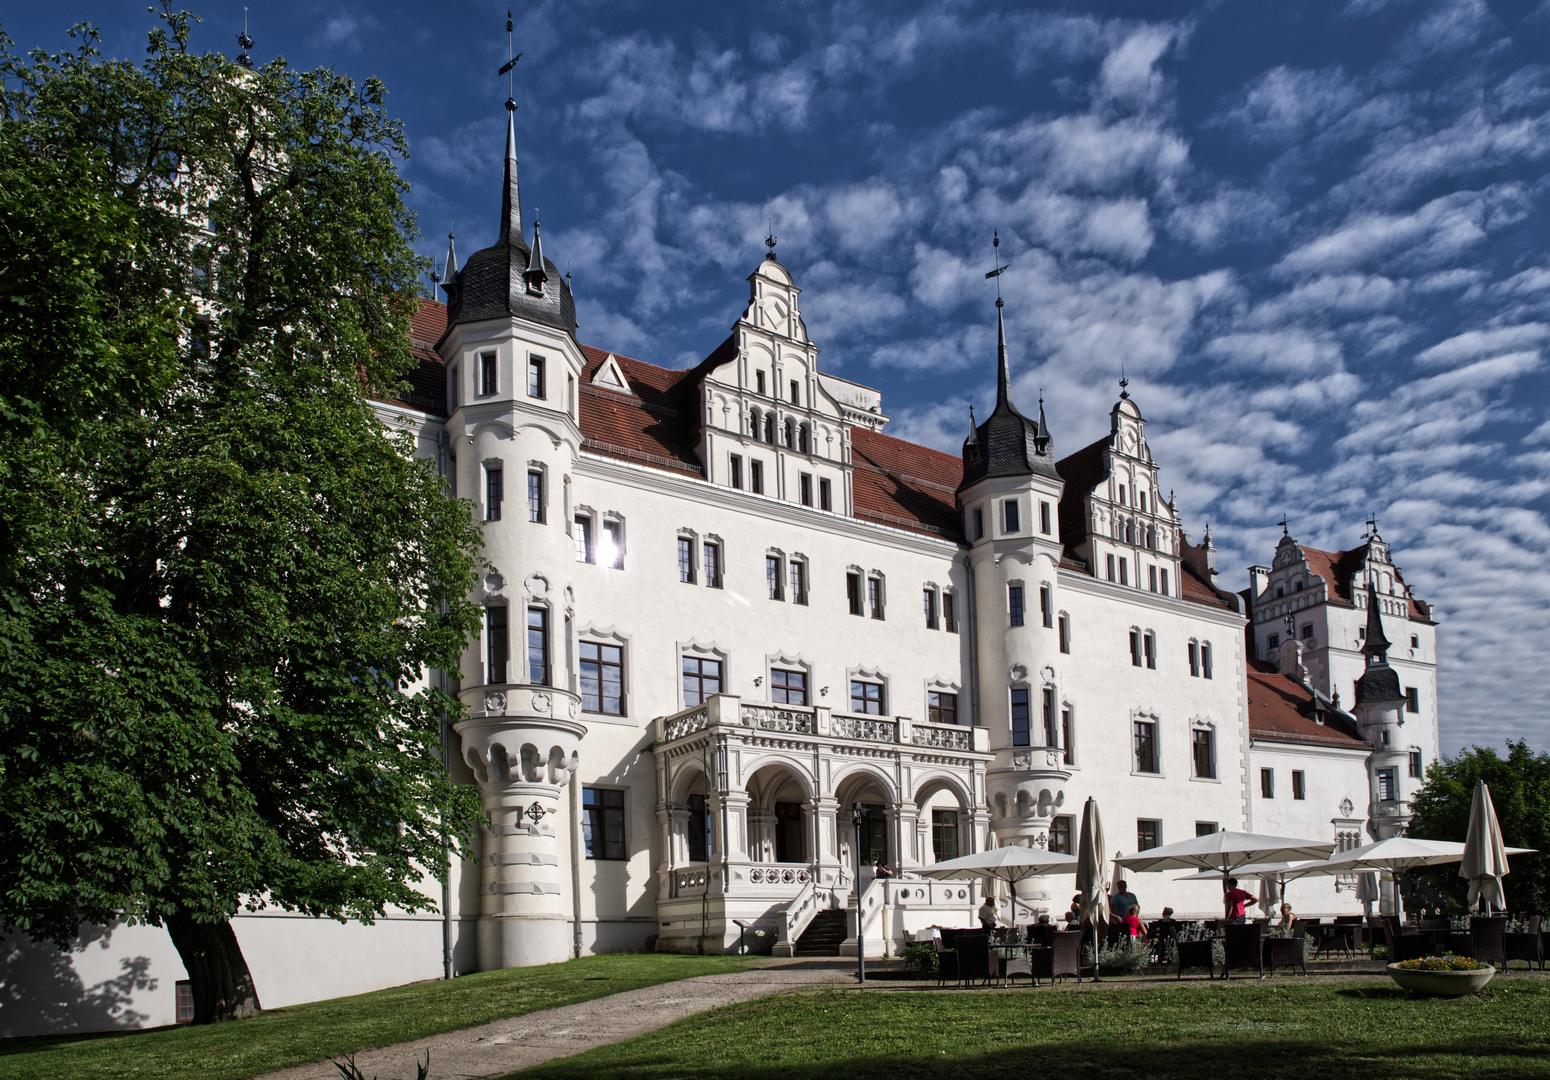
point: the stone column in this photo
(522, 761)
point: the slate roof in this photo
(1280, 709)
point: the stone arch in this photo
(773, 836)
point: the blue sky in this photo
(1314, 235)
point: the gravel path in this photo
(505, 1046)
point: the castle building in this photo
(739, 641)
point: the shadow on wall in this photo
(40, 989)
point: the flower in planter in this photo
(1450, 962)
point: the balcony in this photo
(819, 724)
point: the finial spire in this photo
(974, 431)
(770, 241)
(1003, 371)
(511, 196)
(1376, 644)
(1124, 383)
(1372, 527)
(246, 41)
(535, 275)
(1284, 530)
(449, 270)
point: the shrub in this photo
(920, 956)
(1123, 958)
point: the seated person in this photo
(1044, 921)
(882, 870)
(1287, 918)
(1074, 916)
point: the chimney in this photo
(1259, 581)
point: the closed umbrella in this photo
(1485, 857)
(1367, 890)
(1090, 883)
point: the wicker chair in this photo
(1243, 948)
(1196, 954)
(1334, 936)
(1285, 951)
(1487, 939)
(974, 958)
(1062, 958)
(1376, 933)
(1042, 934)
(1527, 946)
(946, 959)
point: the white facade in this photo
(700, 655)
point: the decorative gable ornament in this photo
(609, 374)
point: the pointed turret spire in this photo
(974, 433)
(449, 271)
(511, 196)
(1376, 644)
(1003, 368)
(535, 275)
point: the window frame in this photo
(1152, 743)
(866, 698)
(489, 374)
(537, 376)
(774, 571)
(700, 659)
(497, 644)
(544, 661)
(595, 820)
(876, 596)
(1014, 605)
(1202, 735)
(537, 508)
(1299, 785)
(711, 560)
(756, 476)
(825, 494)
(1011, 518)
(938, 707)
(735, 470)
(1047, 605)
(686, 574)
(949, 611)
(582, 660)
(796, 579)
(494, 490)
(1156, 830)
(855, 592)
(929, 601)
(1020, 726)
(586, 539)
(1267, 782)
(781, 689)
(1063, 626)
(1044, 518)
(941, 828)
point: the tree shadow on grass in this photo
(1261, 1059)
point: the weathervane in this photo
(246, 41)
(770, 240)
(1124, 382)
(1000, 268)
(511, 62)
(1372, 526)
(1282, 523)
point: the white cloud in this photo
(1444, 228)
(1129, 74)
(1474, 344)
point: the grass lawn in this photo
(323, 1029)
(1244, 1030)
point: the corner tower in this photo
(513, 369)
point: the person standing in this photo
(1236, 902)
(1122, 900)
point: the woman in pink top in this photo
(1134, 924)
(1237, 902)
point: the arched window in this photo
(769, 428)
(791, 434)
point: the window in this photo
(853, 592)
(613, 544)
(1205, 659)
(772, 575)
(602, 678)
(1267, 783)
(1009, 515)
(1109, 565)
(584, 549)
(979, 523)
(1203, 744)
(452, 389)
(788, 687)
(1307, 630)
(538, 646)
(535, 377)
(1065, 632)
(1416, 769)
(805, 488)
(1051, 734)
(184, 989)
(1124, 571)
(1412, 699)
(1044, 522)
(944, 835)
(1194, 659)
(737, 471)
(1299, 785)
(1145, 736)
(756, 477)
(570, 393)
(797, 571)
(941, 708)
(1122, 495)
(769, 428)
(1143, 501)
(1205, 828)
(949, 616)
(1388, 785)
(602, 822)
(928, 598)
(796, 396)
(1019, 716)
(710, 554)
(791, 433)
(1060, 835)
(1046, 606)
(1149, 647)
(496, 646)
(758, 378)
(1148, 834)
(698, 826)
(488, 384)
(866, 697)
(535, 496)
(701, 680)
(1274, 642)
(1065, 734)
(1165, 582)
(1014, 605)
(686, 560)
(1135, 648)
(494, 492)
(825, 494)
(874, 596)
(1151, 573)
(1415, 641)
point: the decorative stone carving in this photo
(575, 710)
(1346, 806)
(495, 703)
(1022, 760)
(1018, 672)
(540, 703)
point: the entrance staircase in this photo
(823, 935)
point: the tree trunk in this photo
(222, 986)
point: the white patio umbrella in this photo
(1485, 857)
(1091, 886)
(1225, 852)
(1009, 864)
(1278, 873)
(1400, 853)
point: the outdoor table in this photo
(1336, 936)
(1016, 959)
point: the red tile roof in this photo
(1339, 568)
(1276, 712)
(901, 484)
(654, 425)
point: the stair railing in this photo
(796, 916)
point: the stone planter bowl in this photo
(1441, 983)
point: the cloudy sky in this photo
(1313, 235)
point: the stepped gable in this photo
(904, 485)
(1339, 568)
(1280, 708)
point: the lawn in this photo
(323, 1029)
(1245, 1029)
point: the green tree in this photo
(222, 579)
(1520, 791)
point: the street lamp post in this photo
(857, 815)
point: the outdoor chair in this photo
(1528, 946)
(1196, 954)
(1285, 952)
(946, 959)
(1041, 935)
(1376, 933)
(1013, 965)
(974, 958)
(1062, 958)
(1408, 947)
(1487, 939)
(1243, 948)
